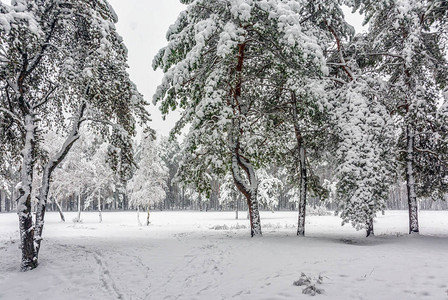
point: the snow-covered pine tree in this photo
(407, 45)
(437, 15)
(302, 103)
(364, 165)
(59, 59)
(222, 65)
(363, 159)
(148, 184)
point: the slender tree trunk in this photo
(100, 215)
(6, 201)
(26, 225)
(303, 189)
(237, 203)
(410, 182)
(369, 229)
(303, 171)
(147, 216)
(138, 216)
(11, 198)
(183, 198)
(79, 206)
(61, 214)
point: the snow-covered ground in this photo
(208, 255)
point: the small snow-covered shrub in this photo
(312, 290)
(310, 283)
(303, 280)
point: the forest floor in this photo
(210, 255)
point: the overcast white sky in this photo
(143, 25)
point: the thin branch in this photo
(337, 80)
(341, 56)
(12, 115)
(46, 97)
(426, 151)
(385, 54)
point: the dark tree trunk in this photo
(237, 203)
(183, 198)
(410, 182)
(303, 190)
(79, 206)
(26, 225)
(7, 205)
(369, 229)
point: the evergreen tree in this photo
(364, 163)
(409, 55)
(60, 59)
(222, 67)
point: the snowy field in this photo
(209, 255)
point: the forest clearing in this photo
(219, 149)
(207, 255)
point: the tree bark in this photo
(61, 214)
(11, 198)
(237, 202)
(369, 229)
(303, 190)
(138, 216)
(249, 190)
(79, 206)
(100, 215)
(26, 225)
(303, 171)
(2, 201)
(147, 216)
(410, 182)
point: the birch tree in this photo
(148, 184)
